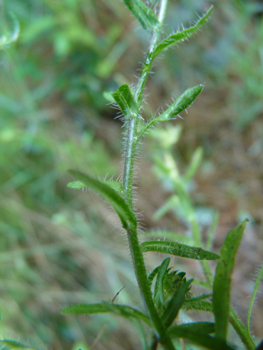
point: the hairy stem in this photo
(241, 331)
(142, 279)
(132, 137)
(130, 149)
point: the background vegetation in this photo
(58, 246)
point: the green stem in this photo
(145, 290)
(132, 137)
(130, 149)
(241, 331)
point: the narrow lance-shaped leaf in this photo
(158, 288)
(105, 307)
(13, 344)
(222, 279)
(197, 305)
(174, 305)
(152, 275)
(178, 249)
(179, 105)
(117, 186)
(253, 297)
(194, 164)
(143, 13)
(175, 38)
(199, 333)
(125, 100)
(127, 217)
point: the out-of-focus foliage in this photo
(52, 80)
(229, 57)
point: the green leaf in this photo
(202, 283)
(12, 36)
(170, 204)
(199, 333)
(194, 164)
(222, 279)
(178, 249)
(253, 297)
(127, 217)
(198, 305)
(212, 231)
(204, 327)
(153, 274)
(117, 186)
(143, 13)
(175, 304)
(201, 297)
(105, 307)
(183, 35)
(76, 185)
(125, 100)
(180, 104)
(12, 344)
(158, 288)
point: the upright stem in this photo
(131, 140)
(130, 149)
(157, 30)
(241, 331)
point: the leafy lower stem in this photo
(142, 279)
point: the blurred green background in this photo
(59, 246)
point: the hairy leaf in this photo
(222, 279)
(143, 13)
(117, 186)
(175, 304)
(125, 100)
(178, 249)
(198, 305)
(179, 105)
(175, 38)
(127, 217)
(104, 307)
(199, 333)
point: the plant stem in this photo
(142, 280)
(241, 331)
(132, 137)
(157, 30)
(130, 149)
